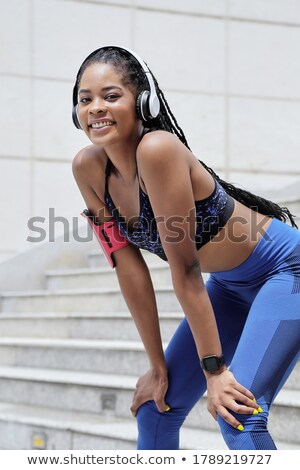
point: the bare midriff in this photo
(235, 241)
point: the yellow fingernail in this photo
(255, 412)
(254, 400)
(260, 410)
(240, 427)
(168, 408)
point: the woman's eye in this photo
(112, 96)
(84, 100)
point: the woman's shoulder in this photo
(90, 160)
(158, 137)
(89, 156)
(89, 168)
(160, 143)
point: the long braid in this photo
(169, 116)
(134, 77)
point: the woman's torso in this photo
(237, 239)
(228, 248)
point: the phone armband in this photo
(108, 235)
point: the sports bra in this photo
(212, 213)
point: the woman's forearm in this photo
(195, 302)
(138, 292)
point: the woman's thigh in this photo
(186, 380)
(265, 356)
(270, 340)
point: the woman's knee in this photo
(148, 415)
(255, 434)
(158, 430)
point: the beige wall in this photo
(229, 68)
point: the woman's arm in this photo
(163, 165)
(137, 289)
(133, 275)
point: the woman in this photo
(170, 203)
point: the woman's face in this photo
(106, 107)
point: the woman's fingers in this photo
(229, 418)
(162, 405)
(244, 410)
(244, 391)
(134, 407)
(245, 397)
(213, 412)
(138, 401)
(249, 402)
(133, 411)
(239, 403)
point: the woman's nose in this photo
(97, 106)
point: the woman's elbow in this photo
(187, 276)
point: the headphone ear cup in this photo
(142, 106)
(75, 118)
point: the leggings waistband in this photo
(278, 241)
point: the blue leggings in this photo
(257, 308)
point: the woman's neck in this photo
(123, 157)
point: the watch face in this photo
(211, 363)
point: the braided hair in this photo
(134, 77)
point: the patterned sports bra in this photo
(212, 213)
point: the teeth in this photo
(98, 125)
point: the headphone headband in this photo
(148, 104)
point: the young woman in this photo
(144, 188)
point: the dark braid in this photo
(134, 77)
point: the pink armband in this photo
(108, 235)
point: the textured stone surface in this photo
(200, 68)
(82, 325)
(89, 300)
(260, 61)
(161, 276)
(268, 10)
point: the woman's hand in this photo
(225, 393)
(151, 386)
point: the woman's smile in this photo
(101, 126)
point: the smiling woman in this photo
(144, 188)
(116, 100)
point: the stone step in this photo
(91, 325)
(77, 391)
(115, 326)
(79, 300)
(101, 356)
(97, 259)
(99, 277)
(22, 425)
(111, 395)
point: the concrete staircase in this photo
(70, 357)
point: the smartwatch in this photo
(212, 363)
